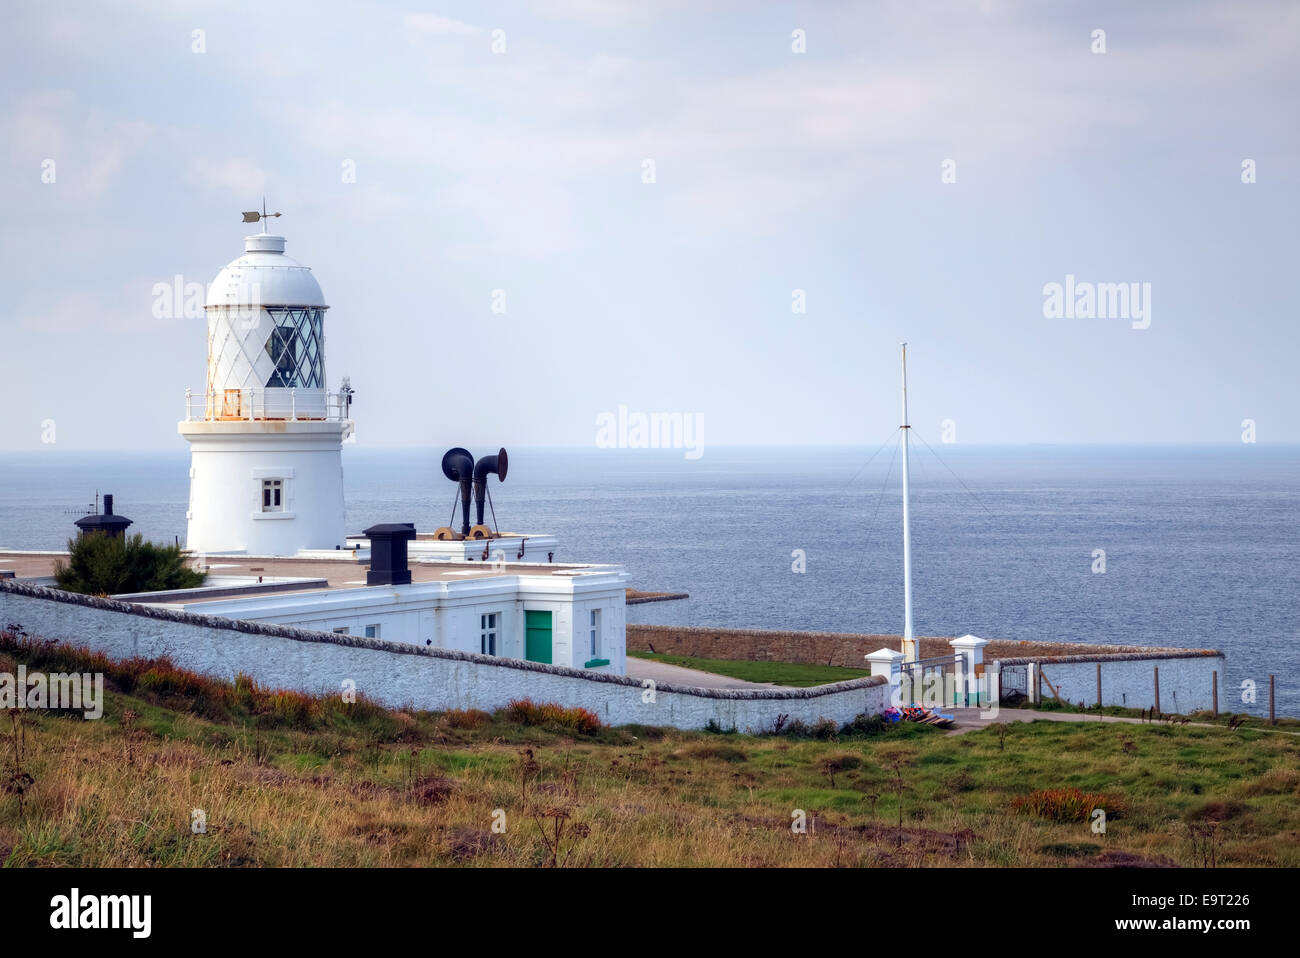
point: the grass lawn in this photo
(799, 675)
(289, 780)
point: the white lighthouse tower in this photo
(266, 473)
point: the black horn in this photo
(458, 466)
(485, 467)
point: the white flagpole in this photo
(909, 637)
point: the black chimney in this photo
(107, 523)
(388, 553)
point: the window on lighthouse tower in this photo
(272, 495)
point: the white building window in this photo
(273, 495)
(372, 631)
(488, 632)
(595, 633)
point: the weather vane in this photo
(253, 216)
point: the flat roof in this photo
(432, 537)
(341, 573)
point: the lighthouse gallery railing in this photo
(267, 403)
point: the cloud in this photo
(89, 150)
(439, 26)
(237, 176)
(111, 149)
(35, 128)
(610, 13)
(775, 170)
(127, 309)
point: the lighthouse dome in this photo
(264, 276)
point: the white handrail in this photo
(266, 403)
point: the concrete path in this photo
(969, 719)
(676, 675)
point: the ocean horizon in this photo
(1201, 542)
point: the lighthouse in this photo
(265, 433)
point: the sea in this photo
(1175, 545)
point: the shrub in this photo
(433, 790)
(466, 718)
(1215, 810)
(959, 781)
(463, 843)
(864, 724)
(163, 682)
(1064, 804)
(797, 728)
(825, 729)
(244, 690)
(552, 715)
(99, 564)
(832, 765)
(290, 708)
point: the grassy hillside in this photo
(293, 780)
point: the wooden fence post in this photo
(1272, 716)
(1157, 668)
(1214, 691)
(1056, 692)
(1099, 685)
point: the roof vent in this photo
(388, 553)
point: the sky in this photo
(527, 216)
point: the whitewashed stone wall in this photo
(407, 676)
(1186, 679)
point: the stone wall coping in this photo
(18, 587)
(1154, 653)
(721, 630)
(1106, 650)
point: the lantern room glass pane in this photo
(296, 347)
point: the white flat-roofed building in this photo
(570, 615)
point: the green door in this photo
(537, 647)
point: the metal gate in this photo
(918, 676)
(1015, 680)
